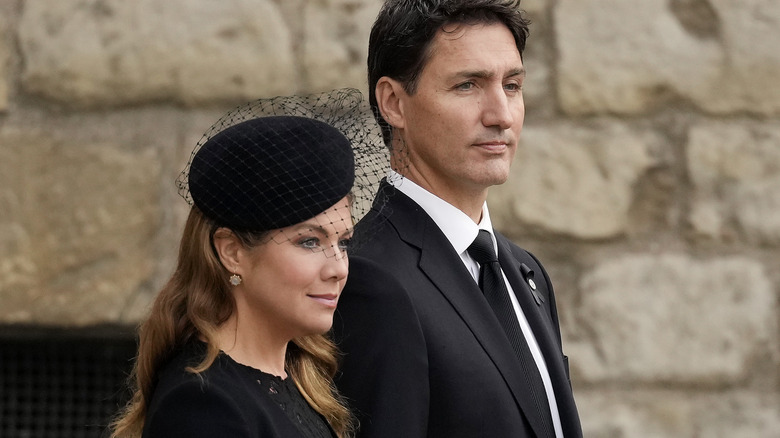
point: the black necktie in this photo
(492, 284)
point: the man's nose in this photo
(498, 109)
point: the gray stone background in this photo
(648, 177)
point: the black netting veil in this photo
(276, 162)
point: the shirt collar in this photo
(456, 225)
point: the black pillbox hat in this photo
(271, 172)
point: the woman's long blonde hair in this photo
(194, 302)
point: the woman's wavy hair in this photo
(194, 302)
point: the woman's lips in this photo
(329, 300)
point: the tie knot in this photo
(481, 249)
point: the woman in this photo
(234, 344)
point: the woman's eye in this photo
(310, 243)
(344, 244)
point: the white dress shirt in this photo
(461, 231)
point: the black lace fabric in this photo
(286, 395)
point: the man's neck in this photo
(469, 202)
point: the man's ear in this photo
(389, 99)
(228, 249)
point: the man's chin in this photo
(494, 177)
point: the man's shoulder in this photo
(371, 275)
(520, 254)
(378, 234)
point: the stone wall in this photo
(648, 178)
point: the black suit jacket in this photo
(424, 355)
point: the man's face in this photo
(461, 125)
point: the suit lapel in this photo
(540, 323)
(541, 326)
(446, 271)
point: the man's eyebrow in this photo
(520, 71)
(487, 74)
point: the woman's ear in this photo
(389, 94)
(228, 249)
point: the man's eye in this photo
(465, 86)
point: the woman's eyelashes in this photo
(344, 243)
(309, 243)
(316, 244)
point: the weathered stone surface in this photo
(114, 52)
(538, 91)
(335, 42)
(674, 318)
(76, 224)
(739, 415)
(735, 170)
(572, 180)
(720, 55)
(4, 58)
(635, 414)
(663, 414)
(535, 7)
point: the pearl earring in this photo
(235, 279)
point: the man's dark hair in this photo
(400, 41)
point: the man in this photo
(428, 352)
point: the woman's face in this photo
(291, 283)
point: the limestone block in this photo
(739, 415)
(335, 42)
(634, 414)
(538, 92)
(629, 57)
(113, 52)
(735, 170)
(5, 45)
(674, 318)
(535, 7)
(662, 414)
(76, 224)
(572, 180)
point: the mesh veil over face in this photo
(276, 162)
